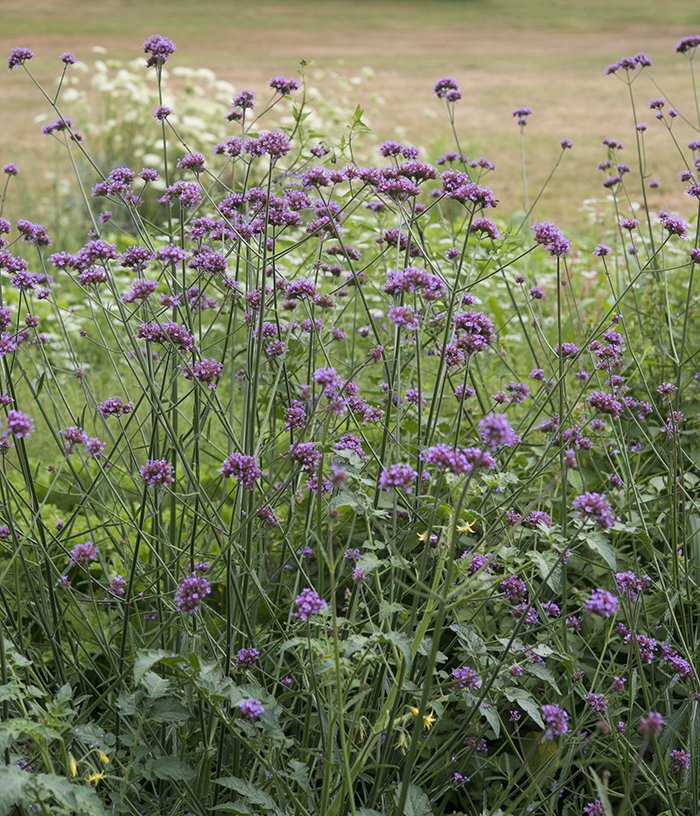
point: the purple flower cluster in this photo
(191, 592)
(308, 603)
(158, 49)
(398, 475)
(594, 506)
(551, 238)
(251, 708)
(245, 469)
(556, 719)
(157, 472)
(465, 678)
(602, 603)
(114, 406)
(496, 431)
(83, 553)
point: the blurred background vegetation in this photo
(549, 55)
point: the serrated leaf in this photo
(386, 609)
(172, 769)
(493, 719)
(155, 686)
(472, 644)
(146, 660)
(13, 783)
(89, 733)
(248, 791)
(167, 709)
(299, 773)
(417, 802)
(526, 701)
(601, 545)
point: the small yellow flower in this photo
(104, 758)
(466, 527)
(96, 777)
(428, 719)
(422, 536)
(72, 765)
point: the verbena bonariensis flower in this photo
(628, 583)
(674, 225)
(551, 238)
(514, 589)
(251, 708)
(307, 454)
(681, 759)
(114, 406)
(157, 472)
(83, 553)
(465, 677)
(605, 403)
(687, 44)
(67, 58)
(18, 56)
(398, 475)
(158, 49)
(651, 725)
(73, 436)
(496, 431)
(602, 603)
(245, 469)
(19, 424)
(556, 719)
(594, 506)
(448, 88)
(204, 371)
(246, 658)
(191, 592)
(308, 603)
(192, 161)
(474, 332)
(283, 85)
(597, 702)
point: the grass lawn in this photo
(549, 56)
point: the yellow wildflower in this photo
(95, 777)
(466, 527)
(72, 765)
(104, 758)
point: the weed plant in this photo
(323, 492)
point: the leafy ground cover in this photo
(325, 490)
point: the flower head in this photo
(157, 472)
(191, 592)
(308, 603)
(651, 725)
(556, 719)
(251, 708)
(18, 56)
(158, 49)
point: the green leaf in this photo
(599, 543)
(526, 701)
(400, 641)
(417, 802)
(472, 644)
(167, 709)
(155, 686)
(602, 793)
(248, 791)
(12, 788)
(386, 609)
(493, 719)
(299, 773)
(548, 567)
(544, 673)
(172, 769)
(146, 660)
(368, 812)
